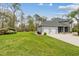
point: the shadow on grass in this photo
(8, 34)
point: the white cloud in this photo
(70, 7)
(50, 4)
(41, 4)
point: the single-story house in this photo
(54, 26)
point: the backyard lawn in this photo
(29, 44)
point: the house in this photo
(57, 25)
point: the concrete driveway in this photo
(69, 38)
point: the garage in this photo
(50, 30)
(55, 26)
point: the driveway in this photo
(69, 38)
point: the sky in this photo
(46, 9)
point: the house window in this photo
(60, 29)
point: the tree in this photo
(7, 16)
(21, 27)
(14, 7)
(22, 23)
(37, 17)
(31, 26)
(39, 20)
(44, 18)
(72, 15)
(76, 28)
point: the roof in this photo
(56, 23)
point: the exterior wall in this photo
(48, 30)
(74, 22)
(39, 29)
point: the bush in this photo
(3, 30)
(10, 32)
(38, 32)
(45, 33)
(7, 31)
(75, 29)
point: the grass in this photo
(29, 44)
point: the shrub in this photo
(7, 31)
(38, 32)
(45, 33)
(3, 30)
(73, 30)
(10, 32)
(76, 28)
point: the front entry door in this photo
(66, 29)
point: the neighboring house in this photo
(54, 26)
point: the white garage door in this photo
(50, 30)
(53, 30)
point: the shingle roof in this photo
(56, 23)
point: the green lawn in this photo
(27, 43)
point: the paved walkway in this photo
(69, 38)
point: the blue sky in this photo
(44, 9)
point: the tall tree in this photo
(37, 17)
(72, 15)
(22, 23)
(22, 17)
(14, 7)
(44, 18)
(31, 26)
(39, 20)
